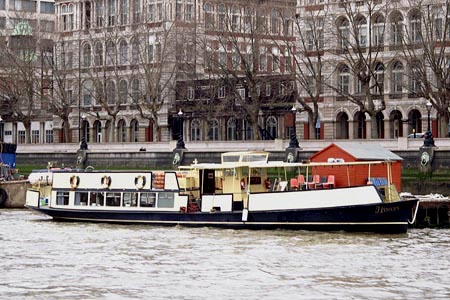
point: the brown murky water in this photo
(43, 259)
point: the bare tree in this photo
(360, 36)
(426, 46)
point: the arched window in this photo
(343, 33)
(85, 131)
(67, 15)
(87, 55)
(195, 130)
(231, 129)
(111, 92)
(135, 92)
(213, 130)
(344, 79)
(415, 28)
(248, 130)
(209, 16)
(135, 51)
(272, 127)
(123, 57)
(378, 31)
(379, 77)
(342, 126)
(397, 78)
(134, 131)
(396, 29)
(98, 54)
(275, 22)
(98, 131)
(360, 120)
(110, 53)
(414, 77)
(123, 91)
(361, 27)
(122, 130)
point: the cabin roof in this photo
(362, 151)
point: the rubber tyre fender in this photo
(3, 198)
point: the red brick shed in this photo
(358, 152)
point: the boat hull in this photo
(382, 217)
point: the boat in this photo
(244, 191)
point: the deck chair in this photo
(329, 183)
(314, 183)
(301, 182)
(294, 184)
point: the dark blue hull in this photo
(386, 218)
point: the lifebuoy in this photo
(139, 182)
(243, 184)
(106, 181)
(74, 181)
(3, 197)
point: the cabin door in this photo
(208, 181)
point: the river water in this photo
(44, 259)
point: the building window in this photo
(235, 18)
(111, 12)
(123, 91)
(137, 11)
(123, 50)
(99, 12)
(195, 130)
(272, 127)
(123, 12)
(378, 31)
(110, 53)
(221, 93)
(275, 22)
(213, 130)
(231, 129)
(2, 4)
(179, 9)
(21, 136)
(98, 54)
(87, 56)
(344, 80)
(268, 90)
(379, 77)
(135, 131)
(111, 92)
(415, 28)
(397, 30)
(122, 131)
(343, 34)
(221, 19)
(209, 16)
(67, 15)
(135, 92)
(362, 31)
(46, 7)
(248, 130)
(35, 136)
(49, 136)
(188, 8)
(135, 51)
(190, 93)
(397, 78)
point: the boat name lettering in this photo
(382, 210)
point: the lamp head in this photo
(180, 113)
(429, 106)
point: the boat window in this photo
(230, 158)
(230, 172)
(113, 199)
(130, 199)
(148, 199)
(97, 199)
(62, 198)
(166, 200)
(254, 157)
(81, 198)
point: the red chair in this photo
(294, 184)
(315, 182)
(301, 181)
(329, 183)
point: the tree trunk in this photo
(374, 129)
(443, 125)
(66, 130)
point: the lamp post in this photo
(1, 129)
(428, 140)
(180, 141)
(293, 142)
(83, 143)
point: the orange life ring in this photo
(243, 184)
(74, 181)
(106, 181)
(140, 181)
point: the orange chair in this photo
(315, 182)
(329, 183)
(301, 181)
(294, 184)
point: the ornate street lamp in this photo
(180, 141)
(83, 143)
(293, 142)
(428, 140)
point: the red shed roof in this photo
(362, 151)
